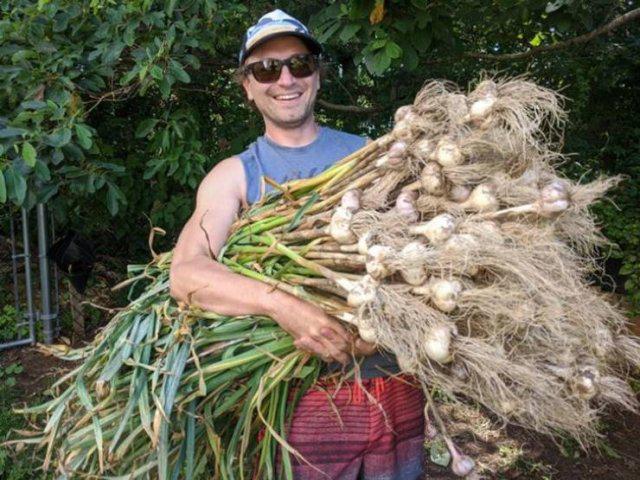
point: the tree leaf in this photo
(349, 31)
(42, 171)
(59, 138)
(392, 49)
(145, 126)
(29, 154)
(3, 188)
(178, 72)
(156, 72)
(84, 136)
(9, 132)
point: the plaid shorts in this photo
(372, 435)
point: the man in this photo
(378, 433)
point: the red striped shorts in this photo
(374, 436)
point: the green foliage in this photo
(9, 329)
(114, 111)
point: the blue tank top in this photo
(265, 158)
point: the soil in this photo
(618, 458)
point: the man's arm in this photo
(198, 279)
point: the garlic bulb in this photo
(445, 293)
(413, 272)
(423, 148)
(351, 200)
(377, 261)
(447, 153)
(432, 179)
(437, 230)
(554, 198)
(367, 334)
(584, 383)
(437, 343)
(401, 113)
(340, 226)
(405, 205)
(459, 193)
(394, 158)
(482, 199)
(361, 292)
(363, 242)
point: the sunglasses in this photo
(269, 69)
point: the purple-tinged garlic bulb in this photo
(554, 198)
(459, 193)
(394, 158)
(351, 200)
(406, 207)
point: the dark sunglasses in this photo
(269, 69)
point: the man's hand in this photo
(312, 329)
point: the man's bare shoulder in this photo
(225, 178)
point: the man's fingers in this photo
(338, 329)
(337, 340)
(335, 353)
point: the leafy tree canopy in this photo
(118, 108)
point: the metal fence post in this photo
(46, 314)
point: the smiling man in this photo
(376, 434)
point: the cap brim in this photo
(310, 42)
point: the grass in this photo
(14, 466)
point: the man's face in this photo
(287, 102)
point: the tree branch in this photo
(348, 108)
(612, 25)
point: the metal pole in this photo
(16, 343)
(14, 264)
(27, 274)
(56, 280)
(45, 293)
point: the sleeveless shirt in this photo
(264, 157)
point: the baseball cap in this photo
(276, 24)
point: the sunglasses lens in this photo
(266, 71)
(302, 66)
(269, 69)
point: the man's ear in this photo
(245, 85)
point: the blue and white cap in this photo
(276, 24)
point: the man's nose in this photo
(286, 79)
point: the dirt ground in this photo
(535, 457)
